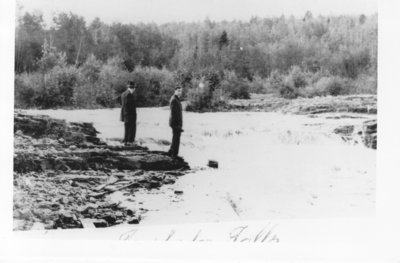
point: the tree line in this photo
(78, 64)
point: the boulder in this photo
(134, 220)
(67, 220)
(212, 163)
(370, 133)
(344, 130)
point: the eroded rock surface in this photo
(63, 174)
(370, 134)
(367, 133)
(365, 104)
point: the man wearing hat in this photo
(128, 112)
(175, 121)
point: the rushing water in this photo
(271, 166)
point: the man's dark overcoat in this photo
(128, 110)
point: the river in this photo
(271, 166)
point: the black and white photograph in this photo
(154, 120)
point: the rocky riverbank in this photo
(63, 174)
(347, 106)
(367, 133)
(366, 104)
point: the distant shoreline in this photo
(356, 103)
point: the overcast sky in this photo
(161, 11)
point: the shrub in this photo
(93, 90)
(312, 91)
(350, 64)
(258, 85)
(184, 78)
(316, 76)
(155, 86)
(198, 100)
(297, 77)
(240, 90)
(213, 77)
(287, 91)
(332, 86)
(365, 84)
(90, 70)
(51, 58)
(235, 87)
(112, 82)
(24, 91)
(58, 88)
(275, 80)
(53, 89)
(85, 96)
(202, 99)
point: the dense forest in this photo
(75, 63)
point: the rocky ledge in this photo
(64, 174)
(365, 104)
(367, 133)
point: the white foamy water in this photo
(271, 166)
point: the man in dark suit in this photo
(128, 112)
(175, 121)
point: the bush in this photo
(202, 99)
(275, 81)
(51, 58)
(50, 90)
(155, 86)
(287, 91)
(297, 77)
(235, 87)
(365, 84)
(112, 82)
(184, 78)
(87, 93)
(58, 88)
(350, 64)
(25, 86)
(258, 85)
(90, 70)
(85, 96)
(213, 77)
(240, 90)
(312, 91)
(333, 86)
(198, 100)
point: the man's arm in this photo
(124, 99)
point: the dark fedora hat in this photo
(131, 84)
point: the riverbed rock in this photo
(134, 220)
(344, 130)
(67, 220)
(63, 174)
(359, 104)
(212, 163)
(87, 153)
(370, 133)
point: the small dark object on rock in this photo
(178, 192)
(212, 164)
(110, 218)
(134, 220)
(100, 223)
(67, 220)
(154, 184)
